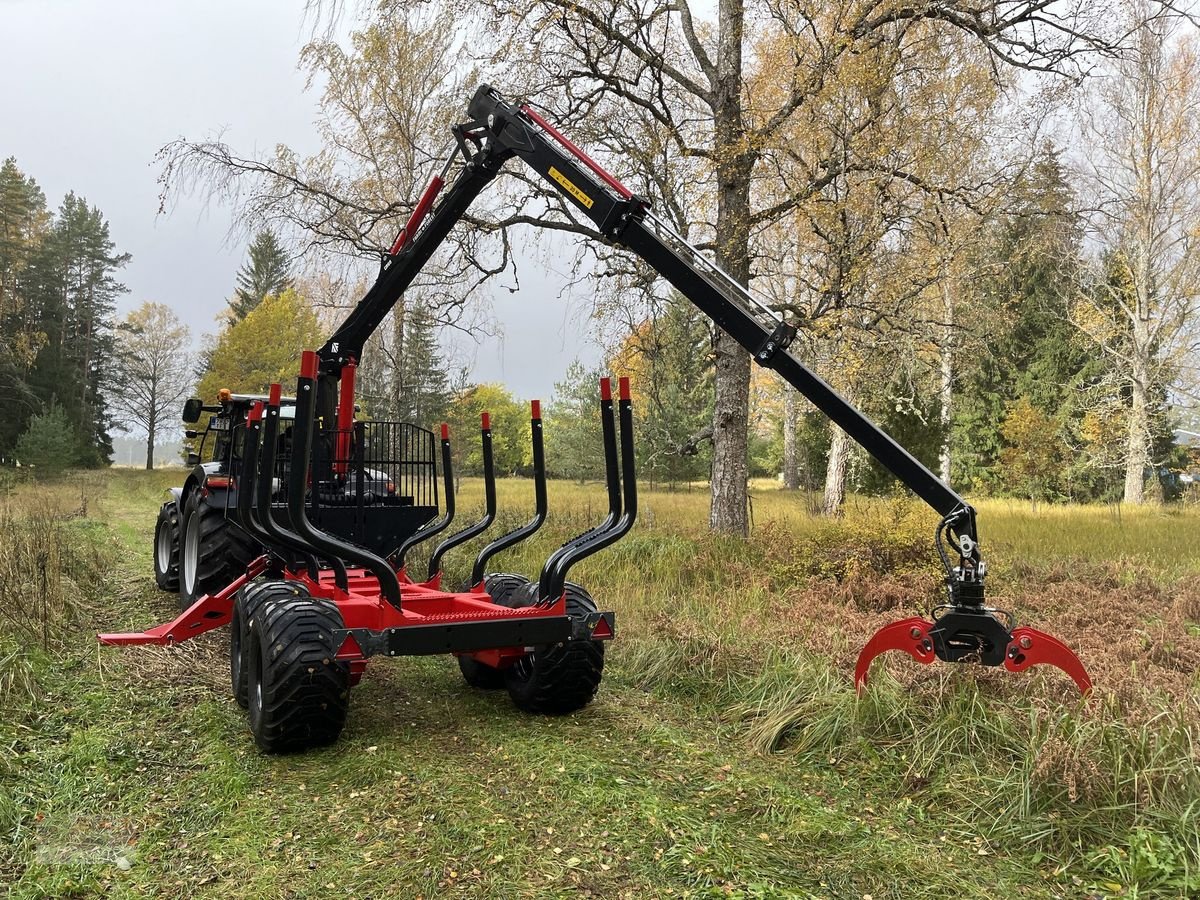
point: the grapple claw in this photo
(1030, 647)
(910, 635)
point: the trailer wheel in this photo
(557, 679)
(166, 547)
(245, 607)
(298, 692)
(213, 551)
(500, 587)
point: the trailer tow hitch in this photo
(964, 630)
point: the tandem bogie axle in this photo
(300, 534)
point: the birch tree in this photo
(152, 372)
(1143, 129)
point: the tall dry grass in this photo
(49, 563)
(764, 634)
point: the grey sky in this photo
(90, 89)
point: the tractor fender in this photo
(198, 478)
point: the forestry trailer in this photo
(296, 534)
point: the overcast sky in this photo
(90, 89)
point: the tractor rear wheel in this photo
(500, 587)
(556, 679)
(299, 693)
(245, 607)
(213, 550)
(166, 547)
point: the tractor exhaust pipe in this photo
(541, 505)
(489, 509)
(438, 525)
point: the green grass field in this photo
(726, 754)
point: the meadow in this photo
(726, 755)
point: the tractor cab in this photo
(225, 427)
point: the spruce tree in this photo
(267, 270)
(1034, 352)
(574, 442)
(422, 376)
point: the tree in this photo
(152, 371)
(574, 441)
(51, 443)
(72, 296)
(1029, 266)
(420, 379)
(1144, 125)
(383, 113)
(690, 94)
(24, 221)
(267, 270)
(263, 348)
(510, 429)
(1033, 457)
(680, 99)
(669, 359)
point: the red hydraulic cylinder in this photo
(345, 418)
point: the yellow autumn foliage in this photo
(263, 348)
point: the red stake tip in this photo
(624, 386)
(256, 411)
(535, 409)
(308, 364)
(445, 432)
(276, 394)
(485, 421)
(605, 388)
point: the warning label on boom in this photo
(569, 186)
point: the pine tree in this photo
(51, 444)
(73, 293)
(267, 270)
(669, 360)
(1035, 353)
(23, 223)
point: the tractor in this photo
(296, 534)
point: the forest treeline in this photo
(59, 284)
(984, 231)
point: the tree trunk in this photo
(835, 473)
(399, 403)
(946, 381)
(731, 423)
(1137, 456)
(791, 458)
(150, 448)
(731, 413)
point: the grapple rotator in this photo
(964, 630)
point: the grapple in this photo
(964, 630)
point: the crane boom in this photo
(499, 130)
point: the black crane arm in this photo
(498, 130)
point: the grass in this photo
(725, 756)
